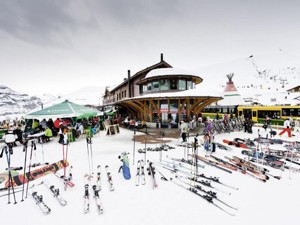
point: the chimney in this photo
(129, 86)
(161, 57)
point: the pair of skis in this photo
(96, 187)
(39, 200)
(140, 174)
(151, 172)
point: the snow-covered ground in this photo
(275, 202)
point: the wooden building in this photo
(159, 93)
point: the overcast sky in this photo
(57, 46)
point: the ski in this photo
(109, 178)
(236, 144)
(96, 189)
(216, 164)
(66, 180)
(189, 162)
(247, 168)
(56, 194)
(86, 195)
(138, 173)
(206, 197)
(40, 202)
(211, 193)
(143, 178)
(216, 180)
(204, 183)
(98, 177)
(292, 161)
(151, 172)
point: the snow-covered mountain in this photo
(263, 78)
(14, 104)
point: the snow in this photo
(275, 202)
(169, 72)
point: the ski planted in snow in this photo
(96, 189)
(138, 173)
(151, 171)
(109, 178)
(86, 195)
(143, 178)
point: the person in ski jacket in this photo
(268, 123)
(206, 143)
(208, 127)
(183, 130)
(297, 126)
(47, 135)
(287, 128)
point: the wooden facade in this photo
(129, 100)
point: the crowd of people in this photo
(44, 129)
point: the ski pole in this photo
(24, 172)
(28, 178)
(133, 155)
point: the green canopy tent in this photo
(65, 109)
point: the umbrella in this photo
(64, 109)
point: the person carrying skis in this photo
(287, 128)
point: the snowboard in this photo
(20, 179)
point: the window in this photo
(164, 85)
(189, 85)
(149, 87)
(290, 112)
(270, 113)
(182, 84)
(173, 84)
(145, 88)
(155, 86)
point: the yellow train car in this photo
(257, 113)
(277, 113)
(212, 111)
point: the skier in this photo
(287, 128)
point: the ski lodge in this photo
(158, 94)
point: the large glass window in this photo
(173, 84)
(189, 84)
(271, 114)
(164, 85)
(155, 86)
(182, 84)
